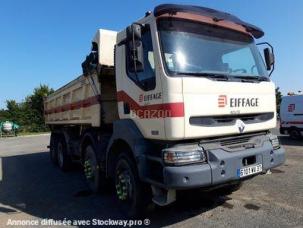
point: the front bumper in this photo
(221, 168)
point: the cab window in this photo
(145, 79)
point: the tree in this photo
(3, 115)
(278, 99)
(13, 110)
(30, 113)
(34, 103)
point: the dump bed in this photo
(74, 103)
(80, 101)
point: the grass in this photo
(32, 133)
(24, 133)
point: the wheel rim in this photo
(295, 134)
(88, 170)
(124, 185)
(60, 154)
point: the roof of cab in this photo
(214, 14)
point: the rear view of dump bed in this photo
(79, 102)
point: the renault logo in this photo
(241, 126)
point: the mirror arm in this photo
(134, 55)
(272, 69)
(137, 23)
(272, 51)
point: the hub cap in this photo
(88, 171)
(124, 186)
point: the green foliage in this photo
(30, 113)
(278, 99)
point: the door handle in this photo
(126, 108)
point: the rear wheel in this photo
(132, 195)
(53, 150)
(94, 176)
(64, 160)
(295, 133)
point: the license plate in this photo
(250, 170)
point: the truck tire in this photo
(94, 176)
(295, 133)
(64, 160)
(131, 194)
(53, 150)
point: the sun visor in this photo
(214, 14)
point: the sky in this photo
(45, 42)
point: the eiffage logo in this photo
(141, 98)
(237, 102)
(222, 101)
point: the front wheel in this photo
(131, 193)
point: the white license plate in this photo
(250, 170)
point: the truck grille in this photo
(228, 120)
(234, 143)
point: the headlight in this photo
(181, 155)
(274, 141)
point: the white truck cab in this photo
(180, 99)
(205, 80)
(291, 116)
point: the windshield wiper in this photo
(253, 78)
(218, 77)
(263, 78)
(226, 77)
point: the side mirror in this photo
(134, 31)
(135, 47)
(269, 58)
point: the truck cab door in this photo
(139, 94)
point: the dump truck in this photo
(180, 99)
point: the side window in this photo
(146, 79)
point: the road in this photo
(32, 188)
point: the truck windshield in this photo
(192, 48)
